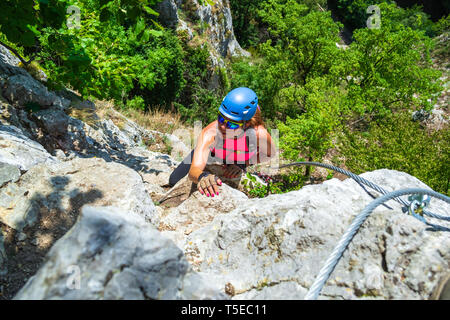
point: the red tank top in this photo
(234, 150)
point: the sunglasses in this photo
(229, 124)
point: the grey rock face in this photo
(8, 65)
(195, 210)
(221, 34)
(218, 19)
(111, 254)
(182, 26)
(168, 13)
(8, 57)
(19, 150)
(66, 186)
(8, 173)
(21, 89)
(52, 120)
(273, 248)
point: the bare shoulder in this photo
(261, 131)
(209, 133)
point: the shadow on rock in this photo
(115, 146)
(26, 250)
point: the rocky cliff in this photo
(80, 219)
(204, 25)
(196, 19)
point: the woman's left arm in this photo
(266, 147)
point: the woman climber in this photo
(228, 145)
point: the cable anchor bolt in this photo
(418, 203)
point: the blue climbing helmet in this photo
(239, 104)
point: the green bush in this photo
(309, 88)
(117, 52)
(22, 20)
(310, 134)
(204, 107)
(246, 22)
(443, 25)
(391, 69)
(398, 143)
(136, 103)
(303, 47)
(248, 25)
(281, 183)
(354, 15)
(196, 101)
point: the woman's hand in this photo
(231, 171)
(209, 185)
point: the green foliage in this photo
(279, 184)
(224, 79)
(196, 72)
(443, 25)
(21, 20)
(354, 15)
(168, 144)
(248, 24)
(315, 89)
(254, 188)
(398, 143)
(391, 68)
(115, 55)
(117, 52)
(310, 134)
(414, 18)
(196, 101)
(292, 181)
(136, 103)
(246, 21)
(330, 174)
(303, 47)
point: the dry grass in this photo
(160, 120)
(93, 115)
(86, 115)
(197, 41)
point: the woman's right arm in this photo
(207, 185)
(201, 154)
